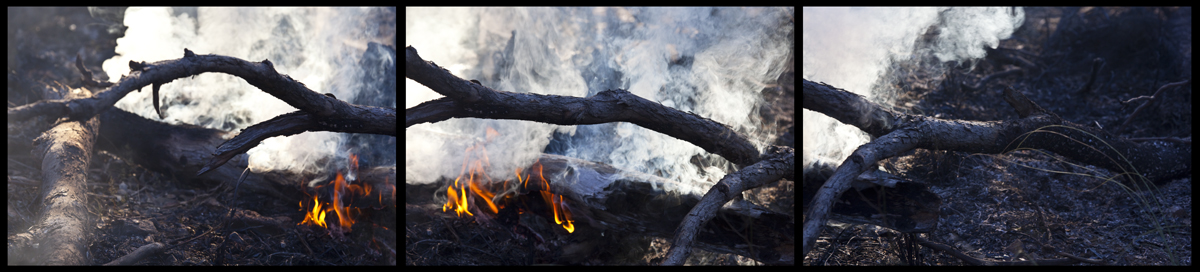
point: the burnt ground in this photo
(434, 237)
(134, 206)
(993, 201)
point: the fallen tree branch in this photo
(467, 99)
(1037, 128)
(324, 113)
(780, 164)
(289, 124)
(138, 254)
(179, 150)
(879, 198)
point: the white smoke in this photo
(710, 61)
(850, 48)
(320, 47)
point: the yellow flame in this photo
(316, 217)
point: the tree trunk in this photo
(62, 235)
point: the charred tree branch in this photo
(779, 164)
(467, 99)
(259, 74)
(138, 254)
(180, 150)
(325, 113)
(1149, 103)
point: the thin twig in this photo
(1157, 95)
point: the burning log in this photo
(61, 237)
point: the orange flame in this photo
(458, 203)
(561, 215)
(343, 191)
(471, 177)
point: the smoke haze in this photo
(710, 61)
(321, 47)
(850, 48)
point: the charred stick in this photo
(138, 254)
(983, 81)
(1155, 97)
(87, 75)
(1096, 65)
